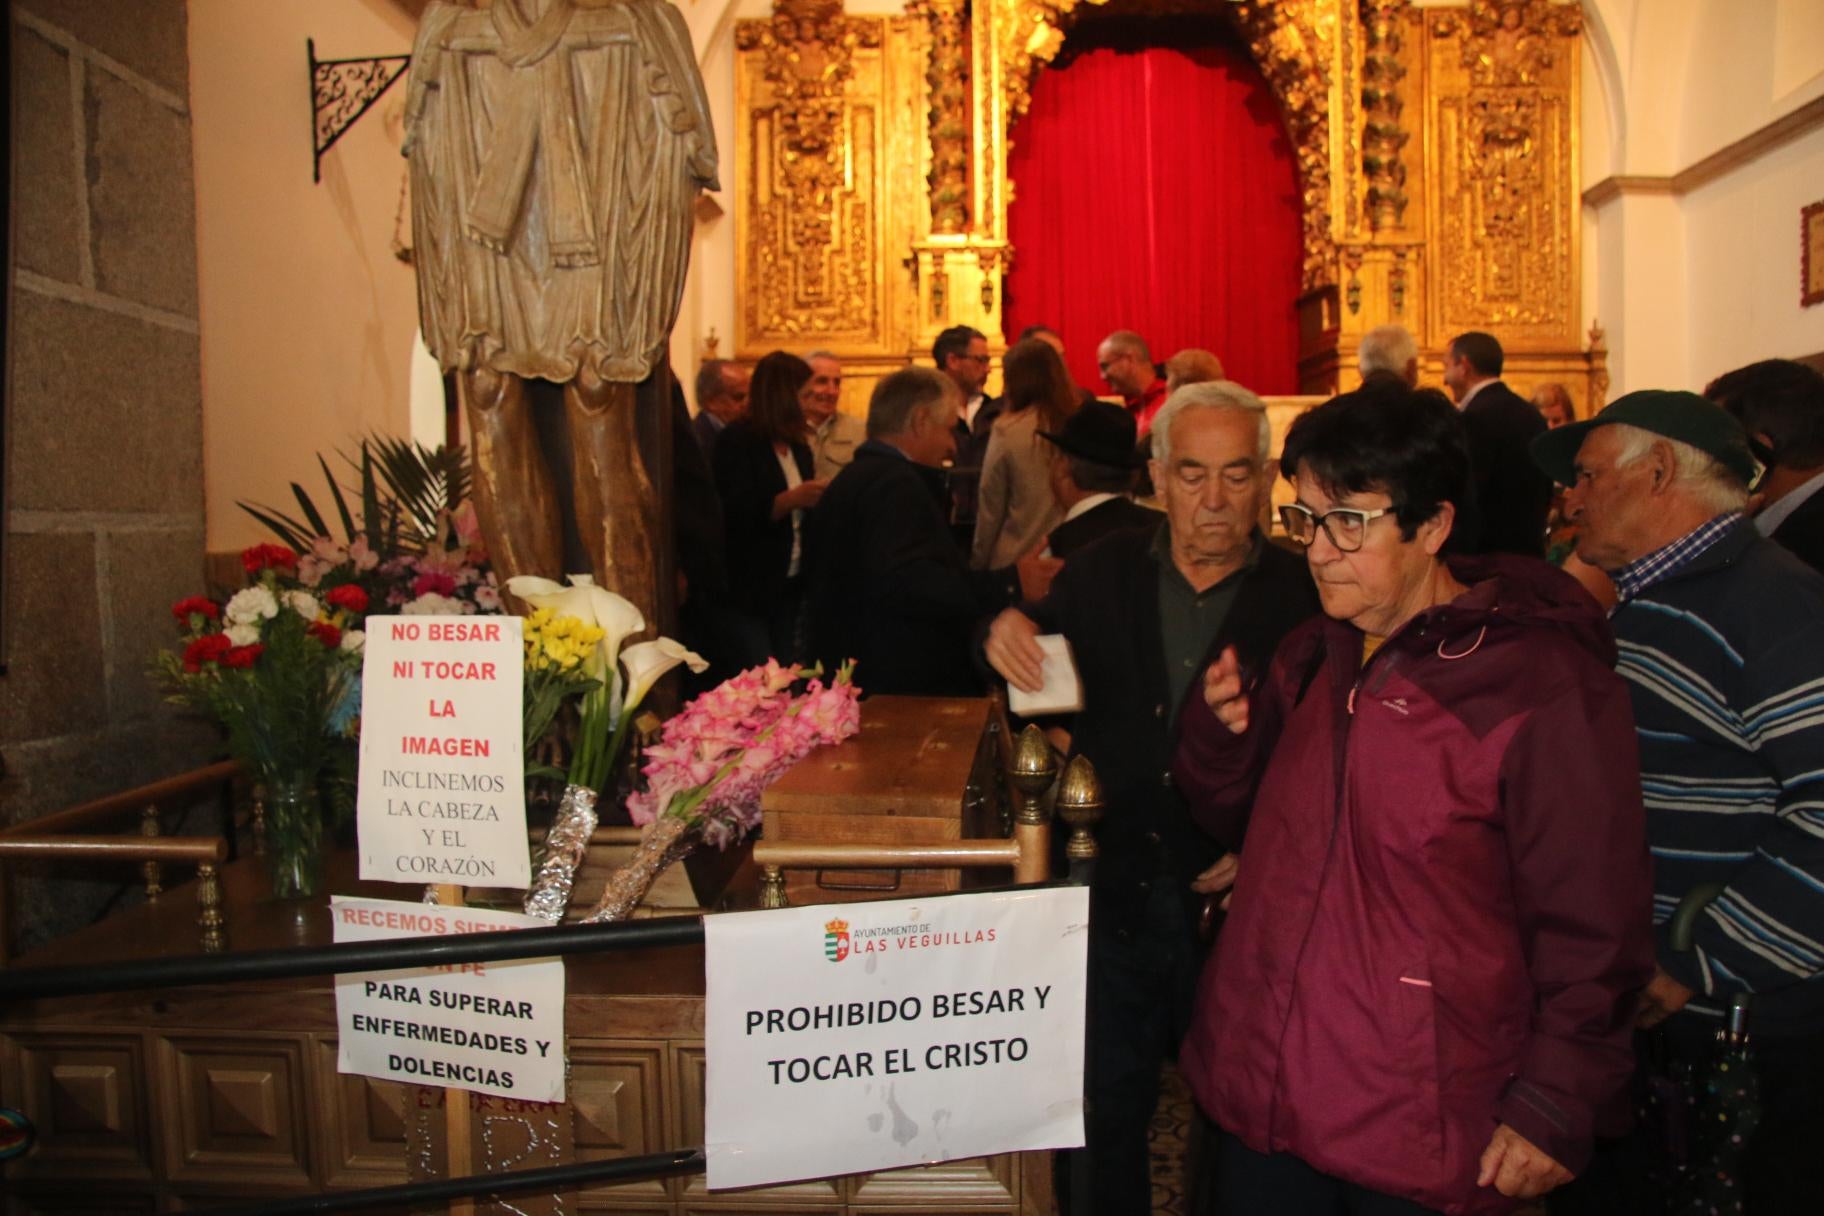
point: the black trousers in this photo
(1783, 1167)
(1142, 981)
(1279, 1184)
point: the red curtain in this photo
(1155, 190)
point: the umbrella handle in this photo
(1684, 919)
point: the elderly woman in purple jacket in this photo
(1423, 992)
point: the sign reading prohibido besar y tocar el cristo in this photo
(443, 795)
(851, 1037)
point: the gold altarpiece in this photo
(1437, 151)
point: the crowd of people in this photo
(1432, 861)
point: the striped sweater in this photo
(1724, 660)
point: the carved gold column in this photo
(1383, 136)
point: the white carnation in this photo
(304, 604)
(251, 604)
(353, 640)
(243, 635)
(432, 604)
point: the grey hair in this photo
(1387, 348)
(1209, 395)
(900, 397)
(822, 354)
(1707, 479)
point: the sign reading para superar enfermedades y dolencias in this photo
(442, 786)
(494, 1028)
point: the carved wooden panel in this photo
(234, 1109)
(87, 1096)
(810, 106)
(615, 1092)
(824, 1194)
(1503, 115)
(985, 1180)
(364, 1125)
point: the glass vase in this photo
(294, 836)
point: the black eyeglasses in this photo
(1346, 527)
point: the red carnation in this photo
(242, 656)
(259, 557)
(348, 596)
(196, 605)
(207, 649)
(325, 633)
(434, 581)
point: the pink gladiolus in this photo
(715, 758)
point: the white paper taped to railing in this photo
(494, 1028)
(850, 1037)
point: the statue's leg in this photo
(514, 498)
(616, 506)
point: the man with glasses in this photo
(961, 353)
(1127, 365)
(1145, 612)
(1420, 999)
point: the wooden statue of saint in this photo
(556, 151)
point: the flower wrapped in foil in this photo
(565, 845)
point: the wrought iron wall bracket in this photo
(341, 91)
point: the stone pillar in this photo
(104, 486)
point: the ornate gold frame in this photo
(1436, 150)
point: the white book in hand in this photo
(1062, 692)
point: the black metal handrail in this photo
(31, 983)
(552, 1177)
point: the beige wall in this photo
(1693, 266)
(307, 317)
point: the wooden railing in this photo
(1030, 767)
(63, 836)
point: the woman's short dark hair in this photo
(1405, 443)
(772, 397)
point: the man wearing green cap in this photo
(1721, 638)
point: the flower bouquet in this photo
(705, 776)
(590, 625)
(275, 666)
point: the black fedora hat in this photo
(1099, 432)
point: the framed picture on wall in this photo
(1811, 255)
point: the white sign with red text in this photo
(442, 790)
(495, 1028)
(851, 1037)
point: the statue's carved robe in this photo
(555, 159)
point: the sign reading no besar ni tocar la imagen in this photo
(852, 1037)
(442, 796)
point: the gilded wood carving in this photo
(1293, 42)
(811, 179)
(1504, 99)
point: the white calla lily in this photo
(647, 661)
(616, 617)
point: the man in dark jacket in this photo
(961, 353)
(1093, 478)
(1780, 403)
(1510, 497)
(1144, 613)
(888, 584)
